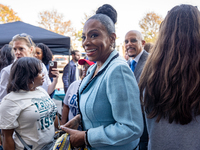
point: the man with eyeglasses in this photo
(134, 44)
(23, 46)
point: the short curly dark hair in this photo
(23, 72)
(47, 54)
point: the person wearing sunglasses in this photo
(23, 46)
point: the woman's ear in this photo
(112, 40)
(113, 37)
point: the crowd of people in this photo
(147, 100)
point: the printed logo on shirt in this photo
(47, 110)
(73, 105)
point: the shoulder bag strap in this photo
(22, 141)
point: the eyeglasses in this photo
(23, 35)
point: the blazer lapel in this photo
(140, 65)
(91, 71)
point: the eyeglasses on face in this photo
(23, 35)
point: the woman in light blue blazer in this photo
(109, 104)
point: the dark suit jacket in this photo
(140, 65)
(137, 72)
(66, 75)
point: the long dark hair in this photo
(23, 72)
(46, 52)
(170, 80)
(6, 56)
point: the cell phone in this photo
(52, 64)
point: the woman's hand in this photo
(52, 86)
(55, 72)
(76, 136)
(73, 123)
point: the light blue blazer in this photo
(110, 106)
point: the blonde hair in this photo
(25, 37)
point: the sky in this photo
(130, 12)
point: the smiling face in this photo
(38, 53)
(134, 43)
(96, 41)
(21, 49)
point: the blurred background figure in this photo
(6, 56)
(170, 82)
(70, 107)
(148, 46)
(27, 108)
(71, 71)
(43, 53)
(126, 57)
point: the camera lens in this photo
(51, 63)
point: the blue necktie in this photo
(133, 63)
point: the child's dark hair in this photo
(23, 72)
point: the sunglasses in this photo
(23, 35)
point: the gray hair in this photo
(106, 21)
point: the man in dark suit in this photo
(71, 72)
(134, 44)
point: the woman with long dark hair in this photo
(43, 53)
(170, 82)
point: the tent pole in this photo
(69, 67)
